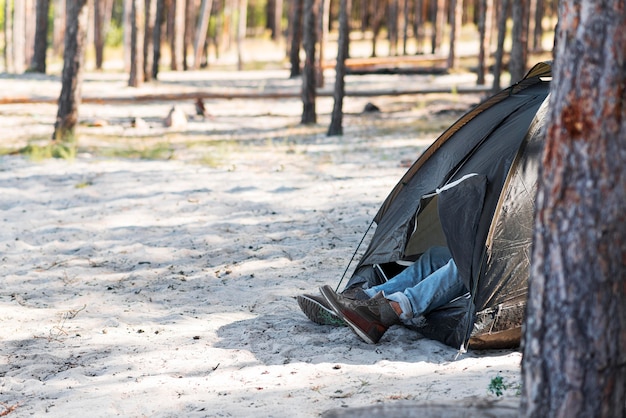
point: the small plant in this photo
(64, 150)
(497, 386)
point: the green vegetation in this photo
(497, 386)
(64, 150)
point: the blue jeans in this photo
(430, 282)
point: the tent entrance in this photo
(427, 230)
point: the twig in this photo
(8, 408)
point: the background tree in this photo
(201, 32)
(19, 36)
(157, 36)
(503, 10)
(519, 38)
(73, 57)
(310, 13)
(336, 123)
(149, 21)
(295, 25)
(8, 36)
(485, 16)
(38, 63)
(102, 18)
(456, 17)
(176, 16)
(574, 362)
(135, 78)
(241, 31)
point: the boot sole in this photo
(352, 325)
(318, 313)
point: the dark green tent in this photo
(473, 190)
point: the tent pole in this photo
(354, 255)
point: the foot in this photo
(369, 319)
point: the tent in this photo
(473, 190)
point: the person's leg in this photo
(433, 259)
(432, 292)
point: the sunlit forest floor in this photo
(154, 272)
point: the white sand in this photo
(167, 288)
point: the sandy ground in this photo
(165, 287)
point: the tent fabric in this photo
(486, 219)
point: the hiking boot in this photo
(317, 310)
(369, 319)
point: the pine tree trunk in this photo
(322, 36)
(157, 36)
(296, 38)
(241, 31)
(405, 26)
(188, 32)
(128, 30)
(392, 27)
(98, 36)
(497, 69)
(30, 30)
(58, 29)
(149, 21)
(38, 63)
(177, 18)
(8, 37)
(484, 28)
(456, 14)
(201, 32)
(310, 12)
(137, 14)
(418, 26)
(19, 36)
(439, 23)
(519, 36)
(379, 14)
(574, 357)
(343, 48)
(538, 27)
(73, 58)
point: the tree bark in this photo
(72, 77)
(485, 15)
(392, 27)
(177, 17)
(538, 27)
(296, 38)
(497, 69)
(19, 36)
(135, 78)
(149, 22)
(456, 14)
(418, 26)
(574, 361)
(58, 27)
(519, 36)
(343, 48)
(310, 12)
(8, 37)
(439, 23)
(38, 63)
(201, 32)
(324, 21)
(241, 31)
(379, 13)
(157, 38)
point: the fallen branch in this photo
(7, 409)
(208, 95)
